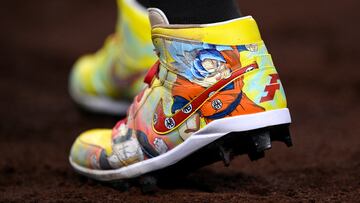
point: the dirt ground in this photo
(315, 47)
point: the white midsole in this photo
(208, 134)
(99, 104)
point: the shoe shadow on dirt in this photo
(206, 180)
(292, 183)
(203, 180)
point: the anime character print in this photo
(209, 66)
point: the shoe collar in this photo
(243, 30)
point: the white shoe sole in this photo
(211, 132)
(99, 104)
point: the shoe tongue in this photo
(157, 17)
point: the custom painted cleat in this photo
(214, 86)
(107, 81)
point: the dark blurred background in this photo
(314, 45)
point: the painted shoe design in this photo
(214, 89)
(105, 82)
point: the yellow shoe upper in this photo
(116, 70)
(182, 47)
(206, 72)
(92, 148)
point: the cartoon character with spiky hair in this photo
(209, 66)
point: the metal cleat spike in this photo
(121, 185)
(148, 184)
(225, 155)
(288, 141)
(281, 133)
(258, 143)
(261, 141)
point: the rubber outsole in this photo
(254, 143)
(210, 133)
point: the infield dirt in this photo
(314, 45)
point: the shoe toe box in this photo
(92, 148)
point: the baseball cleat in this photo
(105, 82)
(213, 94)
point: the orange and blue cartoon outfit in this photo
(229, 101)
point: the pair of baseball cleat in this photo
(212, 92)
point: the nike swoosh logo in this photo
(163, 124)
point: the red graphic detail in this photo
(180, 116)
(152, 72)
(271, 88)
(274, 78)
(115, 129)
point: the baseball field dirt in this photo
(314, 45)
